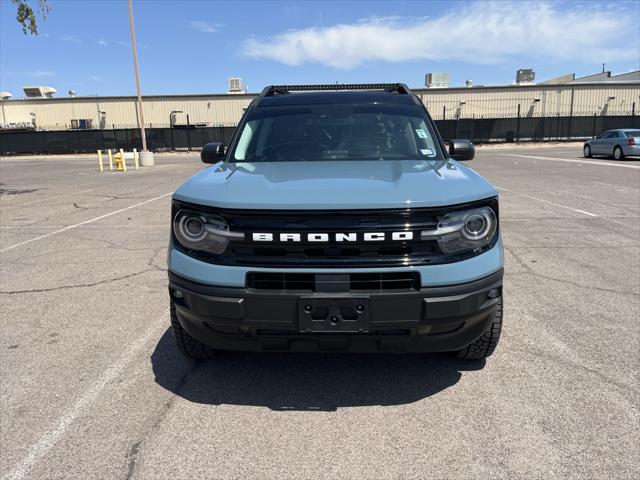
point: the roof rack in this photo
(274, 90)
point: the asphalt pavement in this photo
(92, 386)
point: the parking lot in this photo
(92, 386)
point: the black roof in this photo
(334, 93)
(318, 98)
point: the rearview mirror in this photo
(461, 150)
(212, 152)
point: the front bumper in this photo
(431, 319)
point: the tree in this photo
(26, 15)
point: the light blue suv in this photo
(336, 220)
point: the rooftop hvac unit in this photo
(437, 80)
(525, 76)
(236, 85)
(39, 91)
(5, 95)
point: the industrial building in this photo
(600, 94)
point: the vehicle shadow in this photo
(310, 382)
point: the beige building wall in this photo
(534, 101)
(215, 110)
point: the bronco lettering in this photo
(335, 237)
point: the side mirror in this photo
(212, 152)
(461, 150)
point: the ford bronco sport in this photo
(336, 220)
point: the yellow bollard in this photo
(100, 160)
(110, 160)
(124, 160)
(135, 159)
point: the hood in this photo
(321, 185)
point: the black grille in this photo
(281, 281)
(332, 254)
(385, 281)
(369, 282)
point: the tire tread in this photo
(188, 345)
(484, 346)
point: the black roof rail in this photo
(273, 90)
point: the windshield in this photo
(336, 132)
(633, 133)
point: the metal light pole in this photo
(147, 160)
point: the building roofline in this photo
(530, 87)
(250, 96)
(133, 97)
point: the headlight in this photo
(464, 231)
(202, 231)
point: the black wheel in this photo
(618, 154)
(586, 151)
(188, 345)
(484, 346)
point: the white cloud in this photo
(35, 73)
(205, 27)
(72, 39)
(103, 43)
(95, 78)
(480, 33)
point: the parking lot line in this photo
(614, 186)
(46, 199)
(52, 436)
(49, 227)
(35, 239)
(584, 212)
(569, 160)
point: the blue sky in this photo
(194, 46)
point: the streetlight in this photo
(102, 119)
(173, 112)
(146, 157)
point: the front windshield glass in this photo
(336, 132)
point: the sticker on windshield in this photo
(427, 152)
(421, 133)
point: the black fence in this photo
(536, 129)
(479, 130)
(85, 141)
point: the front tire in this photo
(484, 346)
(586, 151)
(618, 154)
(187, 345)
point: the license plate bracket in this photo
(331, 314)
